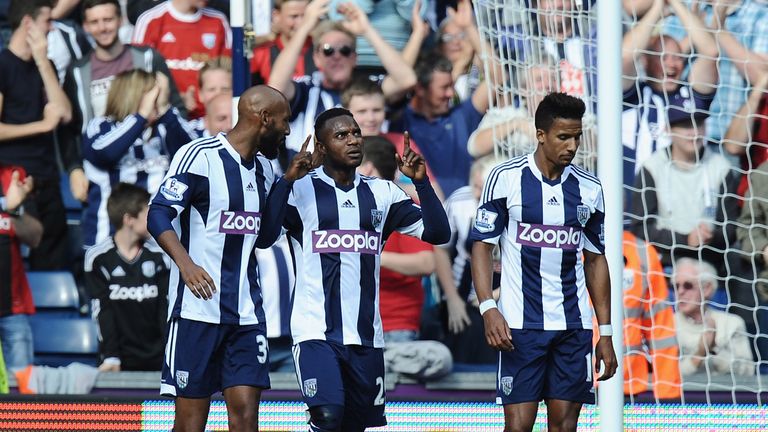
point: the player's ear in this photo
(540, 134)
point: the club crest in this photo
(148, 269)
(377, 216)
(506, 384)
(310, 387)
(182, 378)
(209, 40)
(582, 214)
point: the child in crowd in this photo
(128, 281)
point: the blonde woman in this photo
(131, 143)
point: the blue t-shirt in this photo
(443, 142)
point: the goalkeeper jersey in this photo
(542, 226)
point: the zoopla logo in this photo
(550, 236)
(240, 222)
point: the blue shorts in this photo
(546, 364)
(203, 358)
(348, 375)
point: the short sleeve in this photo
(189, 168)
(492, 214)
(594, 230)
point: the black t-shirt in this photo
(130, 304)
(23, 102)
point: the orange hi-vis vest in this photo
(649, 324)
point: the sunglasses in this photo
(685, 286)
(447, 37)
(344, 50)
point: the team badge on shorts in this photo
(376, 217)
(310, 387)
(182, 378)
(506, 384)
(582, 214)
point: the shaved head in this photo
(264, 117)
(260, 98)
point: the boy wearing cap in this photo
(684, 194)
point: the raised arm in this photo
(752, 65)
(38, 43)
(28, 229)
(636, 40)
(703, 76)
(739, 135)
(419, 32)
(281, 76)
(400, 76)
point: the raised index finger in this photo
(406, 141)
(306, 144)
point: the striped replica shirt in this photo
(460, 208)
(126, 151)
(542, 226)
(213, 200)
(337, 235)
(277, 279)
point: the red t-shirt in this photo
(186, 41)
(261, 63)
(15, 296)
(401, 297)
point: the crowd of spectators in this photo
(96, 93)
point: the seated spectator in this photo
(286, 19)
(33, 106)
(17, 227)
(747, 135)
(405, 261)
(218, 116)
(646, 99)
(88, 80)
(463, 330)
(133, 142)
(511, 124)
(128, 282)
(710, 340)
(651, 352)
(187, 35)
(684, 196)
(440, 128)
(335, 58)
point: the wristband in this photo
(487, 305)
(605, 330)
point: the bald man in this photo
(206, 216)
(218, 117)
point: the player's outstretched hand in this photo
(497, 332)
(411, 164)
(604, 352)
(302, 163)
(197, 280)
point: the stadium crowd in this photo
(98, 93)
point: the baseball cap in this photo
(683, 112)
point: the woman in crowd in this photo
(133, 143)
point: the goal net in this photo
(695, 333)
